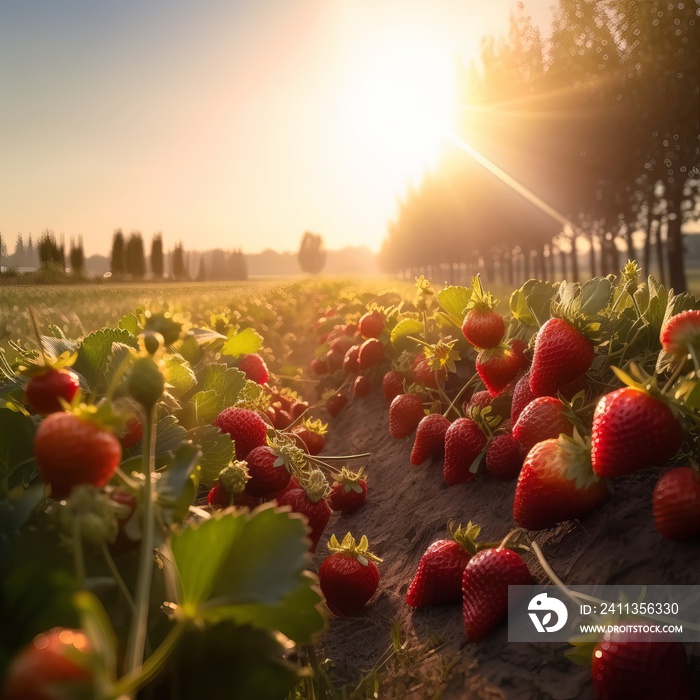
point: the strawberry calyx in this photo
(316, 426)
(234, 477)
(465, 536)
(103, 414)
(350, 547)
(253, 397)
(288, 454)
(638, 380)
(486, 419)
(349, 480)
(441, 355)
(579, 468)
(45, 363)
(315, 485)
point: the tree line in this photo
(599, 119)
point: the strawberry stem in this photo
(37, 333)
(78, 554)
(121, 584)
(139, 622)
(473, 379)
(672, 378)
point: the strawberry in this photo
(543, 418)
(562, 354)
(405, 412)
(311, 436)
(319, 366)
(132, 433)
(361, 387)
(336, 403)
(268, 472)
(519, 347)
(497, 368)
(682, 332)
(504, 456)
(254, 368)
(438, 580)
(676, 504)
(283, 419)
(351, 329)
(348, 577)
(522, 396)
(46, 389)
(485, 583)
(481, 399)
(483, 328)
(298, 408)
(557, 483)
(631, 431)
(341, 344)
(351, 363)
(425, 375)
(430, 438)
(392, 385)
(348, 491)
(72, 450)
(371, 353)
(626, 667)
(310, 501)
(230, 488)
(371, 324)
(334, 360)
(464, 441)
(246, 428)
(56, 664)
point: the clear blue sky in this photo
(237, 123)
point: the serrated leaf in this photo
(94, 353)
(177, 473)
(170, 435)
(519, 309)
(246, 342)
(454, 300)
(240, 558)
(595, 296)
(207, 405)
(130, 323)
(57, 346)
(180, 375)
(205, 336)
(217, 451)
(14, 513)
(227, 382)
(404, 328)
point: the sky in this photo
(226, 123)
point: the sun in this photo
(398, 109)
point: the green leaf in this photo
(519, 308)
(404, 328)
(207, 406)
(16, 446)
(96, 624)
(595, 295)
(57, 346)
(94, 354)
(180, 375)
(218, 449)
(454, 300)
(205, 336)
(130, 323)
(226, 381)
(176, 475)
(15, 512)
(240, 558)
(247, 342)
(169, 435)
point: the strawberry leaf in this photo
(246, 342)
(453, 301)
(94, 355)
(402, 330)
(217, 451)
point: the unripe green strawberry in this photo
(146, 382)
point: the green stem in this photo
(78, 554)
(473, 379)
(139, 623)
(121, 584)
(128, 684)
(672, 379)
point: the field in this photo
(233, 580)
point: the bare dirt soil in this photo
(408, 508)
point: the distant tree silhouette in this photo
(135, 256)
(50, 255)
(77, 257)
(237, 267)
(202, 273)
(19, 256)
(118, 256)
(312, 256)
(157, 266)
(177, 262)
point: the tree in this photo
(135, 256)
(312, 256)
(118, 257)
(177, 262)
(157, 266)
(50, 255)
(77, 257)
(19, 256)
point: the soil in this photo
(408, 508)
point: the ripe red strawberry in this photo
(348, 577)
(504, 456)
(268, 472)
(336, 403)
(522, 396)
(351, 329)
(557, 483)
(481, 399)
(681, 331)
(72, 450)
(438, 580)
(246, 428)
(348, 491)
(230, 488)
(519, 347)
(430, 438)
(497, 368)
(464, 442)
(341, 344)
(310, 501)
(319, 366)
(311, 436)
(371, 324)
(334, 360)
(361, 387)
(283, 419)
(676, 504)
(543, 418)
(631, 431)
(371, 353)
(392, 385)
(351, 363)
(254, 368)
(132, 432)
(626, 667)
(405, 412)
(425, 375)
(56, 664)
(485, 583)
(44, 390)
(298, 407)
(562, 354)
(483, 328)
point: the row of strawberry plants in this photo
(576, 387)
